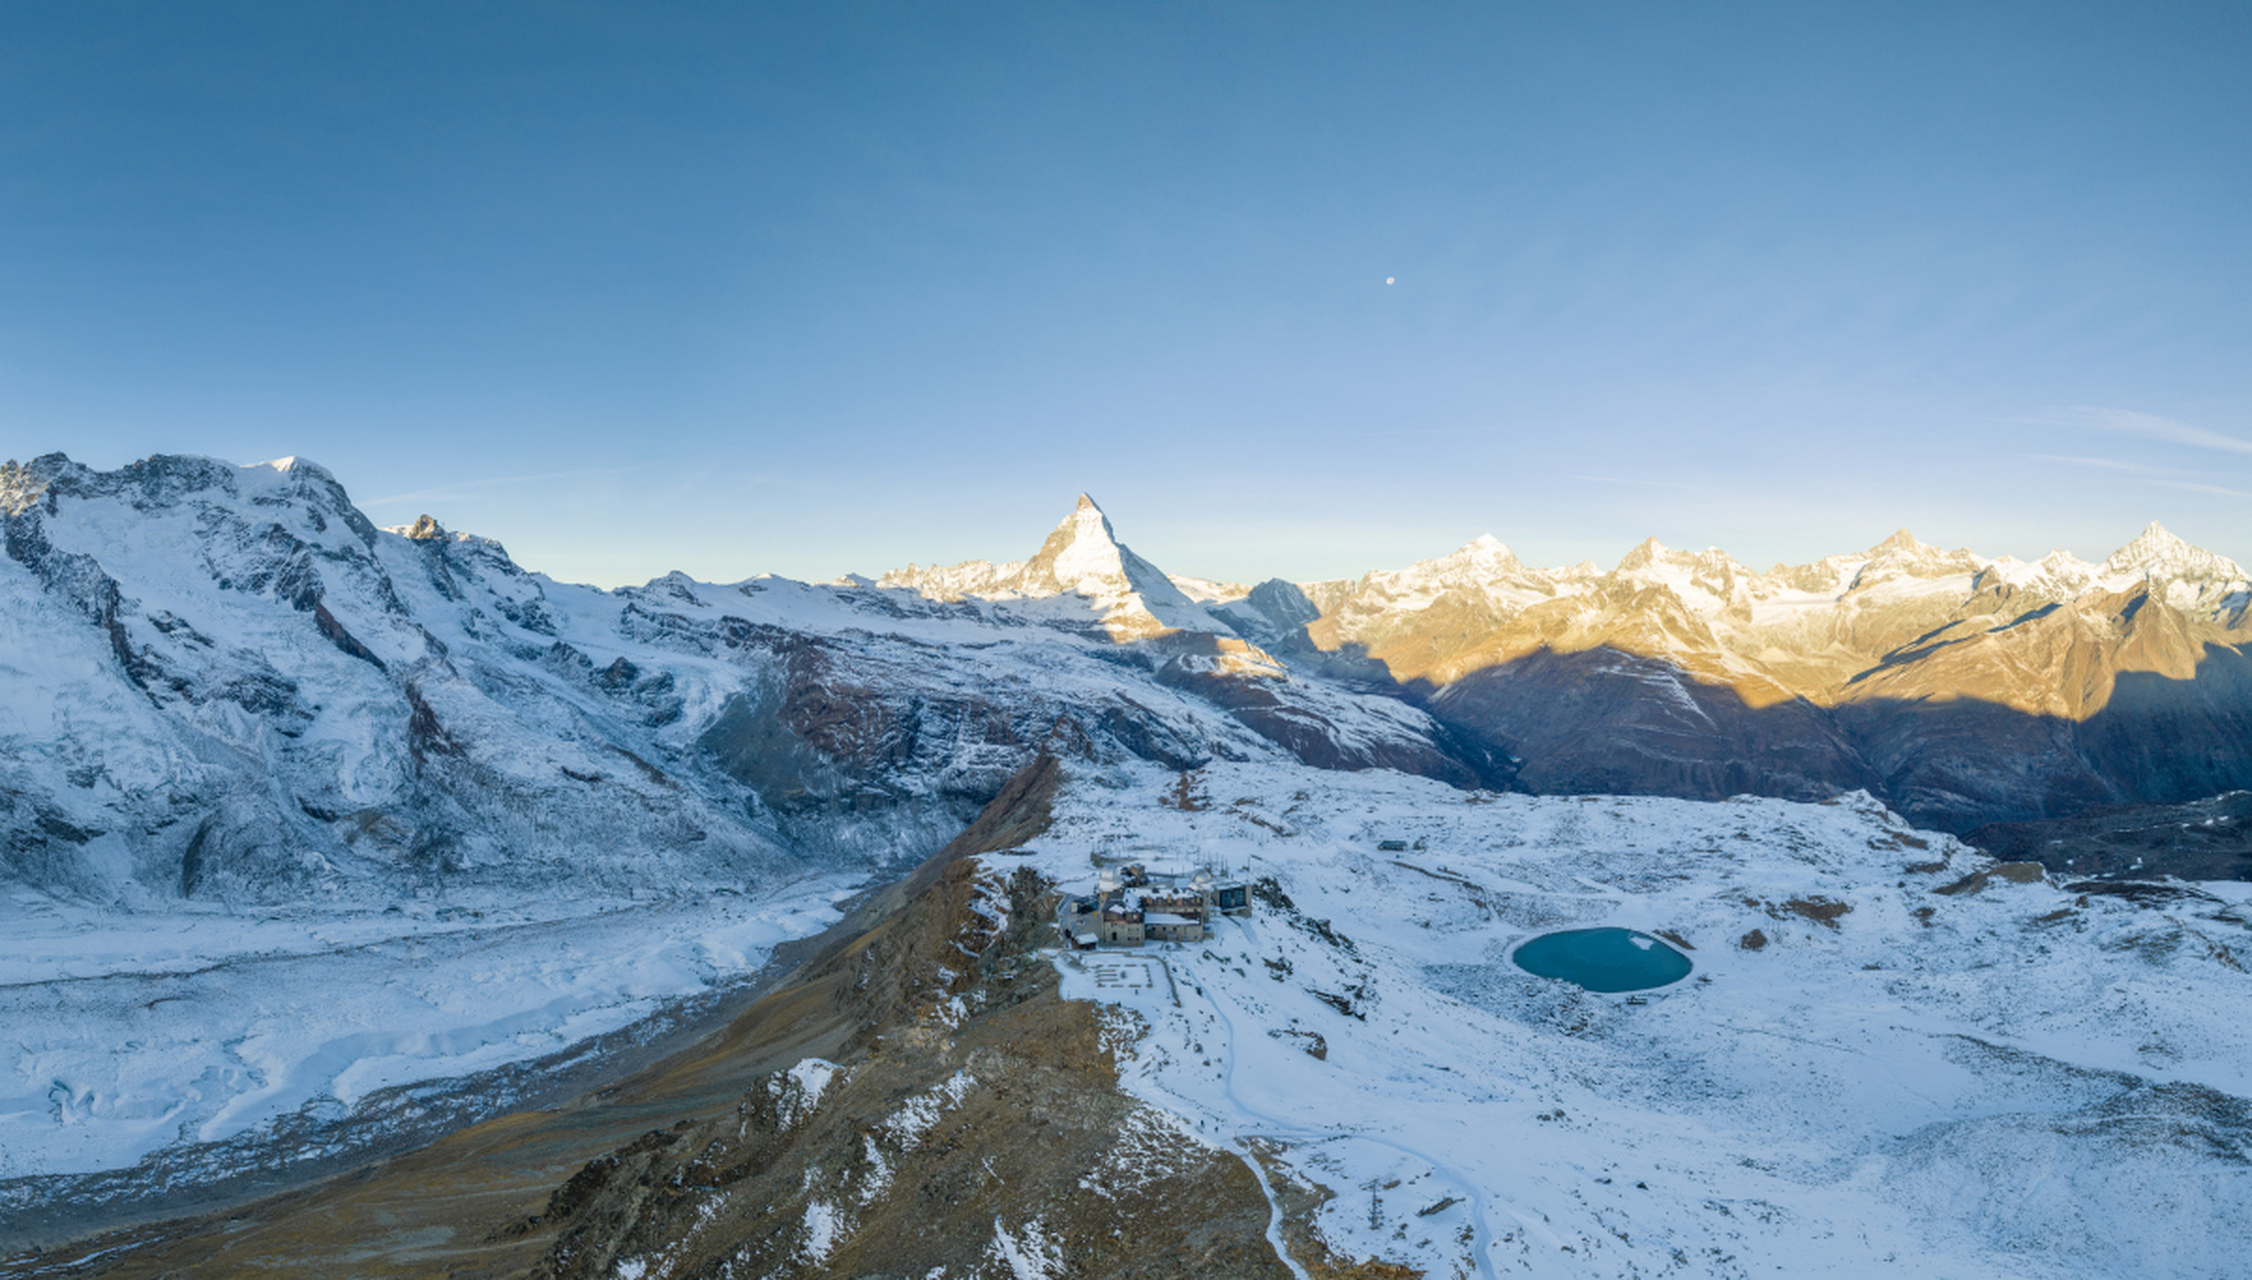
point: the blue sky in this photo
(818, 288)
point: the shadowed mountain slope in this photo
(1962, 689)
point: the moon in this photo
(1388, 279)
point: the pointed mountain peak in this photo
(1083, 543)
(425, 529)
(1476, 562)
(1901, 540)
(2155, 536)
(2157, 553)
(1647, 553)
(1487, 554)
(1084, 557)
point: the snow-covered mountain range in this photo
(1819, 631)
(224, 680)
(1963, 689)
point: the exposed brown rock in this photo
(2007, 872)
(1032, 1148)
(1819, 909)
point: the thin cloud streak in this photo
(2149, 475)
(2153, 427)
(2106, 464)
(2195, 487)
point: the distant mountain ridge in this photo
(1963, 688)
(1813, 630)
(225, 681)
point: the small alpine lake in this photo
(1604, 960)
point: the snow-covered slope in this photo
(212, 1041)
(295, 811)
(243, 689)
(224, 682)
(1862, 1075)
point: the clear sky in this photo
(826, 287)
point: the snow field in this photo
(121, 1034)
(2015, 1084)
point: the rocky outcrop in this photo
(971, 1120)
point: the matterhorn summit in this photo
(1084, 557)
(1082, 567)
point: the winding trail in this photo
(1483, 1239)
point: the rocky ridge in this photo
(226, 682)
(1961, 688)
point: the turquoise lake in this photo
(1606, 960)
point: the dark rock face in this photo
(1271, 613)
(2208, 839)
(1603, 721)
(1606, 722)
(1317, 723)
(2167, 739)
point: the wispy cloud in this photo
(2195, 487)
(2104, 464)
(2148, 474)
(2150, 426)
